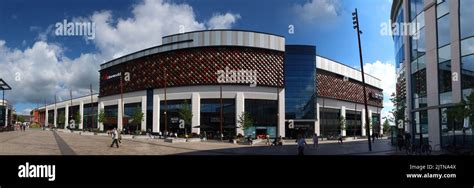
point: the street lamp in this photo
(355, 21)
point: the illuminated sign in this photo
(116, 75)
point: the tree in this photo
(186, 114)
(137, 118)
(101, 117)
(461, 111)
(61, 118)
(398, 111)
(342, 123)
(20, 119)
(77, 118)
(245, 121)
(386, 126)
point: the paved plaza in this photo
(45, 142)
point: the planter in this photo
(175, 140)
(141, 137)
(193, 140)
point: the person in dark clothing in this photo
(114, 138)
(400, 142)
(373, 137)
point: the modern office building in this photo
(435, 65)
(219, 75)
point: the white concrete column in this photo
(156, 113)
(318, 121)
(81, 114)
(46, 123)
(363, 122)
(143, 124)
(281, 112)
(6, 115)
(119, 114)
(99, 108)
(433, 128)
(55, 117)
(66, 113)
(239, 110)
(371, 120)
(343, 114)
(196, 111)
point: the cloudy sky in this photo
(39, 64)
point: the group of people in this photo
(301, 143)
(22, 126)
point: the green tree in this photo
(245, 121)
(186, 114)
(20, 119)
(386, 126)
(137, 118)
(101, 117)
(77, 118)
(61, 118)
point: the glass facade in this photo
(330, 122)
(128, 125)
(398, 39)
(466, 13)
(211, 118)
(90, 115)
(300, 82)
(61, 118)
(444, 52)
(149, 109)
(353, 123)
(174, 107)
(264, 116)
(111, 116)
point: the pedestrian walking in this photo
(115, 136)
(301, 142)
(315, 140)
(268, 139)
(119, 132)
(340, 138)
(373, 138)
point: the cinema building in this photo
(219, 75)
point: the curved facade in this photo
(218, 76)
(436, 66)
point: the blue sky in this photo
(49, 64)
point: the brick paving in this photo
(39, 142)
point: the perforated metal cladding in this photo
(333, 86)
(194, 66)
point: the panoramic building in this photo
(221, 77)
(435, 68)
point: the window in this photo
(466, 13)
(443, 31)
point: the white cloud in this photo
(44, 70)
(219, 21)
(151, 20)
(386, 73)
(38, 72)
(319, 10)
